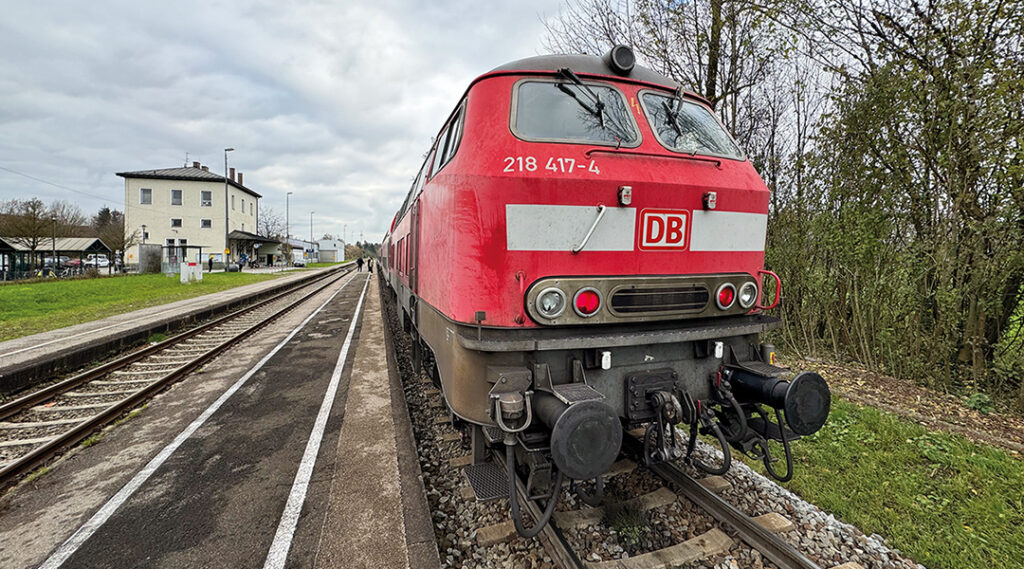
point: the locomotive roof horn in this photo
(620, 59)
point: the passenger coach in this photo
(581, 252)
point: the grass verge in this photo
(40, 306)
(939, 498)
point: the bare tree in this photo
(108, 225)
(271, 223)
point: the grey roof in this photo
(190, 174)
(62, 244)
(239, 235)
(586, 64)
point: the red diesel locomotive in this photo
(581, 252)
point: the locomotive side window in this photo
(560, 111)
(442, 141)
(417, 185)
(448, 143)
(685, 126)
(454, 138)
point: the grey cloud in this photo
(335, 101)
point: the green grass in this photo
(40, 306)
(319, 265)
(942, 500)
(36, 474)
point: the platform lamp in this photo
(226, 228)
(311, 234)
(54, 242)
(287, 230)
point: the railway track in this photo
(775, 550)
(36, 427)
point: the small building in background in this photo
(179, 207)
(331, 250)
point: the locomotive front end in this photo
(603, 240)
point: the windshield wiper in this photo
(672, 115)
(597, 112)
(598, 109)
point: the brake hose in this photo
(513, 498)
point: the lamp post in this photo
(287, 217)
(226, 228)
(311, 234)
(287, 229)
(53, 243)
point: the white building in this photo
(190, 207)
(331, 250)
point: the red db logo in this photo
(663, 228)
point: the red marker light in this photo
(587, 302)
(726, 296)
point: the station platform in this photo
(23, 360)
(303, 457)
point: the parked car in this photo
(61, 259)
(98, 261)
(73, 263)
(299, 262)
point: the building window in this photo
(175, 222)
(232, 203)
(250, 208)
(175, 197)
(243, 205)
(206, 198)
(169, 242)
(145, 196)
(206, 223)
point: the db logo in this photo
(663, 228)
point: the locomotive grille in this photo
(660, 300)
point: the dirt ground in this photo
(929, 408)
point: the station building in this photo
(184, 210)
(331, 250)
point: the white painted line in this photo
(278, 553)
(69, 547)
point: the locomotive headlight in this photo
(551, 302)
(748, 294)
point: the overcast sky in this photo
(335, 101)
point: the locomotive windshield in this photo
(566, 112)
(685, 126)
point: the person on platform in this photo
(359, 265)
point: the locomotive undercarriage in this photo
(558, 400)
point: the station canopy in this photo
(79, 246)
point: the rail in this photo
(40, 454)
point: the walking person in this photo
(359, 265)
(210, 263)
